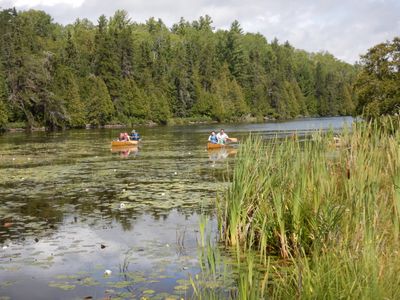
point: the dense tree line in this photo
(119, 71)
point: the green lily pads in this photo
(120, 284)
(148, 292)
(62, 285)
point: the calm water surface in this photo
(70, 209)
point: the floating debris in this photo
(102, 246)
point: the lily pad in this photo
(62, 285)
(120, 284)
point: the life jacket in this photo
(135, 136)
(213, 139)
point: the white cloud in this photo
(345, 28)
(34, 3)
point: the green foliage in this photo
(154, 73)
(67, 90)
(3, 99)
(378, 82)
(99, 106)
(228, 96)
(329, 209)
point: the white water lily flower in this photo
(107, 272)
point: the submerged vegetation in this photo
(119, 71)
(327, 214)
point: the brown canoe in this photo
(123, 143)
(215, 146)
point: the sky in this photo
(345, 28)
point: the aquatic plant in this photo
(329, 210)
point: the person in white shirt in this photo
(222, 137)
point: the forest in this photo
(122, 72)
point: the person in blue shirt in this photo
(135, 136)
(213, 138)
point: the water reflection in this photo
(221, 154)
(61, 196)
(126, 151)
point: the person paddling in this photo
(123, 136)
(222, 137)
(213, 138)
(135, 135)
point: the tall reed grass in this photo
(330, 212)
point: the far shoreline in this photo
(171, 122)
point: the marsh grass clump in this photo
(329, 211)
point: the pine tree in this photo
(300, 99)
(347, 106)
(107, 63)
(99, 106)
(234, 51)
(151, 72)
(66, 88)
(4, 113)
(321, 91)
(184, 85)
(229, 97)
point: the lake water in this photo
(71, 209)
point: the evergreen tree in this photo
(66, 89)
(347, 106)
(321, 91)
(122, 71)
(229, 97)
(234, 51)
(99, 106)
(3, 98)
(107, 63)
(184, 85)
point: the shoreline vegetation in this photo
(118, 71)
(21, 127)
(311, 218)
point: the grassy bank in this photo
(327, 215)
